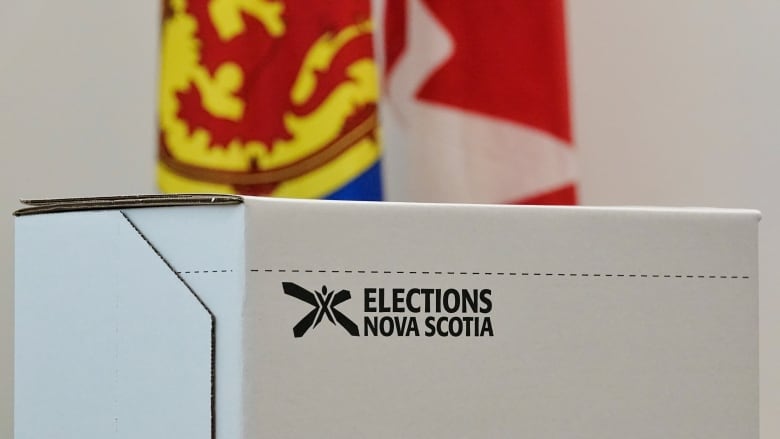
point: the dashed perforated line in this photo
(206, 271)
(482, 273)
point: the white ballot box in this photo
(221, 317)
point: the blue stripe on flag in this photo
(367, 186)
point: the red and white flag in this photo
(476, 102)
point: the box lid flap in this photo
(53, 205)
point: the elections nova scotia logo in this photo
(324, 303)
(403, 312)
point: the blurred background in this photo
(673, 103)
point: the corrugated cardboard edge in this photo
(203, 305)
(54, 205)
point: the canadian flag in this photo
(476, 104)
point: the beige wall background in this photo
(675, 102)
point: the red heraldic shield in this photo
(267, 97)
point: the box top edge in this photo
(55, 205)
(754, 213)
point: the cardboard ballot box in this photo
(225, 317)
